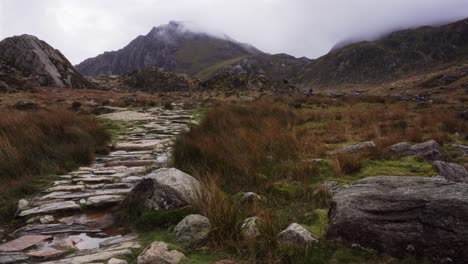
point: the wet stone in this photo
(23, 243)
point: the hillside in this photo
(172, 47)
(397, 55)
(27, 60)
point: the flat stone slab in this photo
(101, 256)
(69, 195)
(49, 208)
(66, 188)
(104, 200)
(127, 116)
(46, 253)
(23, 243)
(131, 163)
(7, 258)
(50, 229)
(149, 145)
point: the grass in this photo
(266, 147)
(35, 144)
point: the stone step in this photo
(51, 208)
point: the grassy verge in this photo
(37, 144)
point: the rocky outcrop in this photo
(147, 80)
(26, 59)
(193, 230)
(164, 189)
(430, 150)
(173, 47)
(227, 81)
(452, 171)
(424, 217)
(158, 253)
(368, 145)
(296, 235)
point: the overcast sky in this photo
(86, 28)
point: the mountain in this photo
(396, 55)
(173, 47)
(27, 60)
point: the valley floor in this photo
(288, 154)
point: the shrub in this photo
(344, 163)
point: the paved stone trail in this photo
(76, 213)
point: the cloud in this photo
(86, 28)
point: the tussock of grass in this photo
(39, 143)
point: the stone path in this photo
(73, 221)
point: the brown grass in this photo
(239, 142)
(41, 142)
(344, 163)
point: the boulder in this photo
(357, 147)
(461, 148)
(193, 230)
(430, 150)
(163, 189)
(158, 253)
(100, 110)
(399, 215)
(296, 234)
(249, 229)
(452, 171)
(250, 197)
(25, 105)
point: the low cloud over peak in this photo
(85, 28)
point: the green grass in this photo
(164, 235)
(403, 167)
(210, 71)
(114, 128)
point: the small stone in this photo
(117, 261)
(46, 219)
(23, 204)
(249, 229)
(295, 234)
(193, 230)
(250, 197)
(158, 253)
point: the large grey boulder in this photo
(399, 215)
(430, 150)
(163, 189)
(452, 171)
(297, 235)
(158, 253)
(193, 230)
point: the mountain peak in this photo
(177, 46)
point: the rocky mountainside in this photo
(147, 80)
(396, 55)
(27, 60)
(172, 47)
